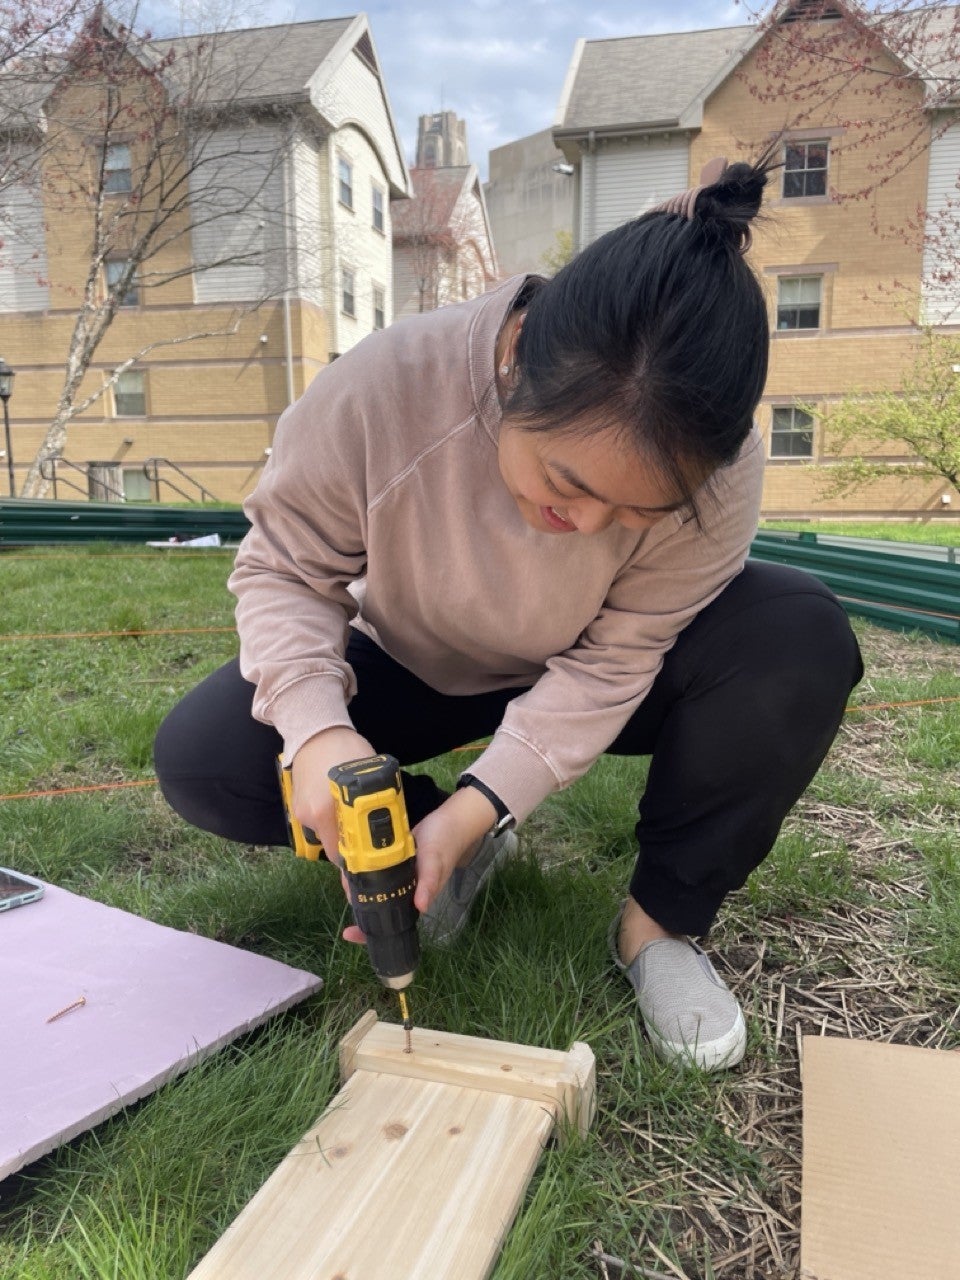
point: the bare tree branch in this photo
(154, 161)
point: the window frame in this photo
(344, 184)
(792, 432)
(119, 412)
(375, 191)
(799, 278)
(806, 170)
(109, 170)
(350, 293)
(137, 471)
(379, 290)
(132, 296)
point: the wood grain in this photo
(565, 1081)
(405, 1177)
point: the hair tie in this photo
(686, 202)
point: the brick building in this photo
(298, 127)
(848, 278)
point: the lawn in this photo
(851, 927)
(940, 533)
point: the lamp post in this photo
(7, 376)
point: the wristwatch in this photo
(505, 819)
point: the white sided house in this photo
(279, 257)
(443, 248)
(342, 166)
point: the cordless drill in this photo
(379, 859)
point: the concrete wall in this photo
(527, 202)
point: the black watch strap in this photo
(505, 819)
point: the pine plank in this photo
(564, 1080)
(405, 1177)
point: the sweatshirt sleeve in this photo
(306, 544)
(552, 734)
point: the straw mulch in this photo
(852, 971)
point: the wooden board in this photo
(416, 1169)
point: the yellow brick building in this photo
(296, 122)
(842, 254)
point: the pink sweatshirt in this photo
(383, 489)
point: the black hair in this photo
(659, 330)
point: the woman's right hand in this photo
(313, 805)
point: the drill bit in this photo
(407, 1021)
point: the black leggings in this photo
(737, 722)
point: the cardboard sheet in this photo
(156, 1001)
(881, 1161)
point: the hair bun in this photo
(728, 206)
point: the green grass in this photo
(943, 533)
(144, 1195)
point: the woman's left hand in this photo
(447, 838)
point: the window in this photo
(345, 182)
(116, 169)
(378, 221)
(136, 486)
(805, 169)
(798, 302)
(130, 394)
(379, 307)
(348, 301)
(115, 269)
(791, 435)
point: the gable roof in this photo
(638, 83)
(435, 195)
(265, 64)
(250, 67)
(643, 80)
(429, 215)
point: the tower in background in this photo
(441, 141)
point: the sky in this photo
(499, 64)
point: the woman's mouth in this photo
(554, 520)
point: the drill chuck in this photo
(383, 908)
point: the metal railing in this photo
(898, 590)
(49, 470)
(25, 522)
(151, 469)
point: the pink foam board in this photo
(156, 1001)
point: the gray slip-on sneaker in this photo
(691, 1015)
(450, 909)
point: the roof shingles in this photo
(646, 79)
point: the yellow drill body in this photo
(379, 857)
(380, 860)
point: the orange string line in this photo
(889, 706)
(99, 635)
(473, 746)
(70, 791)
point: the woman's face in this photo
(572, 483)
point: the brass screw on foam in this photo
(66, 1008)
